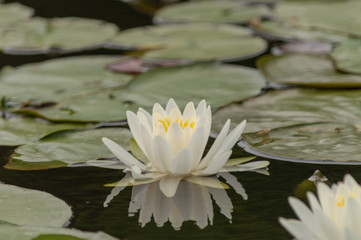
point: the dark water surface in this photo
(82, 188)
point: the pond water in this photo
(82, 187)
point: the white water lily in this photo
(172, 144)
(335, 216)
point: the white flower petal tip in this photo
(122, 154)
(334, 215)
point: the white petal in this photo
(297, 229)
(122, 154)
(304, 214)
(174, 114)
(175, 137)
(157, 108)
(208, 122)
(182, 164)
(168, 185)
(201, 108)
(232, 138)
(147, 116)
(171, 105)
(133, 123)
(217, 143)
(160, 131)
(216, 164)
(197, 144)
(143, 120)
(253, 166)
(189, 111)
(147, 143)
(162, 153)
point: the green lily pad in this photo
(58, 34)
(18, 130)
(306, 70)
(48, 233)
(347, 56)
(308, 125)
(56, 79)
(341, 17)
(273, 30)
(22, 206)
(193, 41)
(226, 11)
(217, 83)
(12, 13)
(66, 148)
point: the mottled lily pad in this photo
(342, 17)
(32, 208)
(18, 130)
(273, 30)
(319, 126)
(9, 232)
(13, 13)
(61, 35)
(193, 41)
(217, 83)
(225, 11)
(306, 70)
(347, 55)
(56, 79)
(66, 148)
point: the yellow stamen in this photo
(340, 202)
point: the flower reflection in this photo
(191, 202)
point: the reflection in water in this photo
(192, 201)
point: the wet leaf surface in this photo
(299, 124)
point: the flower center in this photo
(166, 122)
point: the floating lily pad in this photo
(9, 232)
(273, 30)
(226, 11)
(342, 17)
(18, 130)
(22, 206)
(56, 79)
(67, 148)
(306, 70)
(193, 41)
(217, 83)
(13, 13)
(61, 35)
(308, 125)
(348, 55)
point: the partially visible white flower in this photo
(173, 144)
(336, 215)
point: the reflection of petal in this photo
(115, 191)
(168, 185)
(237, 186)
(222, 201)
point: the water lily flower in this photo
(335, 215)
(169, 146)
